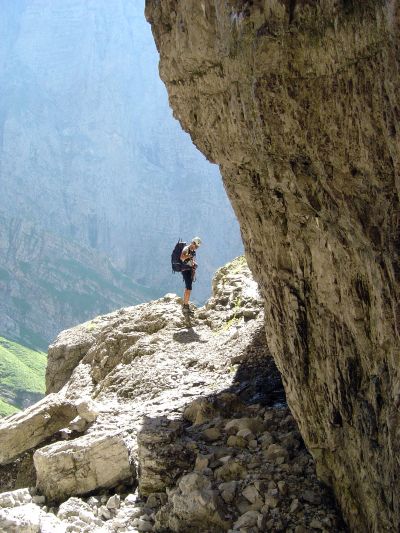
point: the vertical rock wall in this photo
(298, 102)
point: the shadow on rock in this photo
(187, 336)
(234, 460)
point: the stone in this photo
(27, 429)
(104, 512)
(295, 506)
(194, 503)
(262, 522)
(114, 502)
(275, 452)
(228, 490)
(202, 462)
(161, 457)
(93, 501)
(246, 520)
(245, 433)
(272, 498)
(21, 519)
(251, 494)
(236, 442)
(316, 524)
(71, 508)
(255, 425)
(103, 459)
(130, 499)
(38, 499)
(156, 499)
(232, 470)
(15, 498)
(78, 424)
(51, 524)
(266, 439)
(311, 497)
(211, 434)
(283, 488)
(199, 411)
(144, 525)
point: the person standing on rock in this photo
(189, 266)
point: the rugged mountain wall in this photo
(47, 282)
(89, 149)
(298, 102)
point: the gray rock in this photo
(15, 498)
(20, 519)
(228, 490)
(248, 519)
(71, 508)
(114, 502)
(104, 458)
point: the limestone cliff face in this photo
(298, 102)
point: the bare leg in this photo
(186, 296)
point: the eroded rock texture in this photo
(163, 426)
(298, 102)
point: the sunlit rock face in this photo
(298, 102)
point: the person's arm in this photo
(185, 254)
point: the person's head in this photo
(196, 241)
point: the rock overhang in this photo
(297, 103)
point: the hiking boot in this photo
(186, 310)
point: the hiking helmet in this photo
(196, 241)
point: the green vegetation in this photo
(22, 375)
(232, 321)
(237, 265)
(7, 409)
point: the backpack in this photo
(176, 262)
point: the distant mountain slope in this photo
(7, 409)
(88, 146)
(48, 283)
(22, 375)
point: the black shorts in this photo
(187, 278)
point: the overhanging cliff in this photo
(298, 102)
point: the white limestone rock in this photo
(194, 503)
(21, 519)
(82, 465)
(29, 428)
(15, 498)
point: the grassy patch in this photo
(7, 409)
(22, 372)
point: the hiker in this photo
(189, 266)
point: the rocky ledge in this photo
(154, 424)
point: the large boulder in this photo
(161, 454)
(298, 103)
(194, 506)
(29, 428)
(82, 465)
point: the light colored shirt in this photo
(186, 250)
